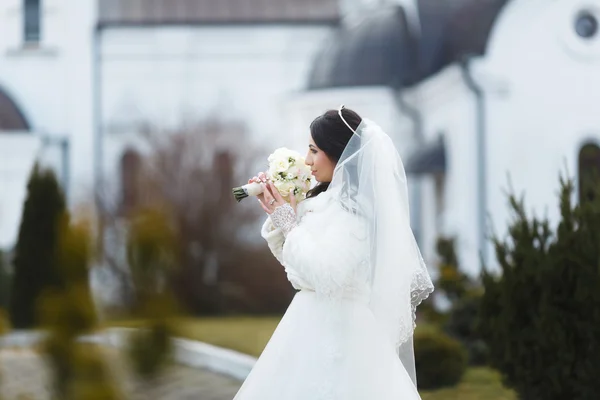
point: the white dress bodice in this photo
(327, 251)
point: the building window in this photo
(11, 117)
(588, 171)
(130, 174)
(586, 25)
(32, 21)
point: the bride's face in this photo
(320, 164)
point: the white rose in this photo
(281, 165)
(277, 154)
(272, 172)
(293, 172)
(281, 153)
(275, 169)
(305, 173)
(285, 164)
(284, 187)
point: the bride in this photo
(350, 252)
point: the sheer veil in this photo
(370, 182)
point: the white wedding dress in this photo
(329, 345)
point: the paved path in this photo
(24, 376)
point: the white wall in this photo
(168, 75)
(160, 75)
(541, 85)
(448, 108)
(551, 104)
(51, 83)
(18, 151)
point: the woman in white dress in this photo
(350, 252)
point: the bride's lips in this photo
(313, 172)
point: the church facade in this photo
(481, 97)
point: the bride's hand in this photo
(272, 198)
(260, 178)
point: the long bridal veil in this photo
(370, 182)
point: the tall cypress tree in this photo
(36, 253)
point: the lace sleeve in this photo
(284, 218)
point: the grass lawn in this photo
(250, 335)
(247, 335)
(477, 384)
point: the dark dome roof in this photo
(382, 51)
(435, 16)
(11, 117)
(378, 51)
(470, 27)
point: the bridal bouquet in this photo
(287, 171)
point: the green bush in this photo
(452, 281)
(151, 255)
(78, 371)
(464, 294)
(440, 360)
(462, 324)
(36, 258)
(150, 349)
(540, 316)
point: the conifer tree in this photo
(540, 315)
(35, 268)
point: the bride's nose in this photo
(308, 160)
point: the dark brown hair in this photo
(331, 135)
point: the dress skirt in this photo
(328, 349)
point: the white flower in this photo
(282, 153)
(288, 170)
(281, 165)
(284, 187)
(281, 160)
(304, 173)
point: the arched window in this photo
(31, 21)
(11, 117)
(130, 172)
(588, 171)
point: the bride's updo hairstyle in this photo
(331, 135)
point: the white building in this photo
(87, 73)
(472, 91)
(46, 108)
